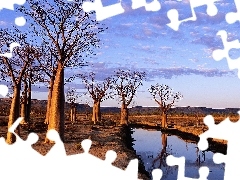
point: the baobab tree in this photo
(32, 76)
(71, 35)
(126, 84)
(164, 96)
(15, 68)
(72, 97)
(98, 91)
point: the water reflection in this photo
(153, 147)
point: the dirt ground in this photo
(104, 138)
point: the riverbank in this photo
(103, 138)
(185, 129)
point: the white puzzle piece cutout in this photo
(229, 131)
(173, 14)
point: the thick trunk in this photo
(24, 103)
(56, 115)
(96, 116)
(14, 113)
(164, 120)
(49, 99)
(124, 115)
(62, 110)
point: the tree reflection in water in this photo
(160, 160)
(200, 157)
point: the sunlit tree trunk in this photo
(164, 120)
(73, 112)
(62, 107)
(56, 116)
(124, 115)
(96, 116)
(24, 102)
(14, 112)
(49, 100)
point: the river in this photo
(153, 147)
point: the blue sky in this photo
(141, 40)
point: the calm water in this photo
(153, 147)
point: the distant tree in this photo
(126, 84)
(72, 97)
(98, 91)
(71, 35)
(15, 68)
(165, 98)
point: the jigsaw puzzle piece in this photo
(153, 6)
(232, 17)
(103, 12)
(3, 90)
(12, 46)
(58, 149)
(180, 162)
(101, 168)
(157, 174)
(224, 53)
(10, 4)
(231, 161)
(229, 131)
(173, 14)
(215, 131)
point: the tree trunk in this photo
(14, 113)
(56, 115)
(164, 141)
(164, 120)
(96, 116)
(49, 99)
(24, 103)
(29, 101)
(73, 112)
(124, 115)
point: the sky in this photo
(140, 40)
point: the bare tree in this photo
(126, 84)
(98, 91)
(15, 68)
(167, 99)
(71, 35)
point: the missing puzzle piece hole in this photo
(219, 158)
(203, 144)
(209, 121)
(212, 10)
(110, 156)
(203, 172)
(32, 138)
(86, 144)
(157, 174)
(53, 135)
(218, 54)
